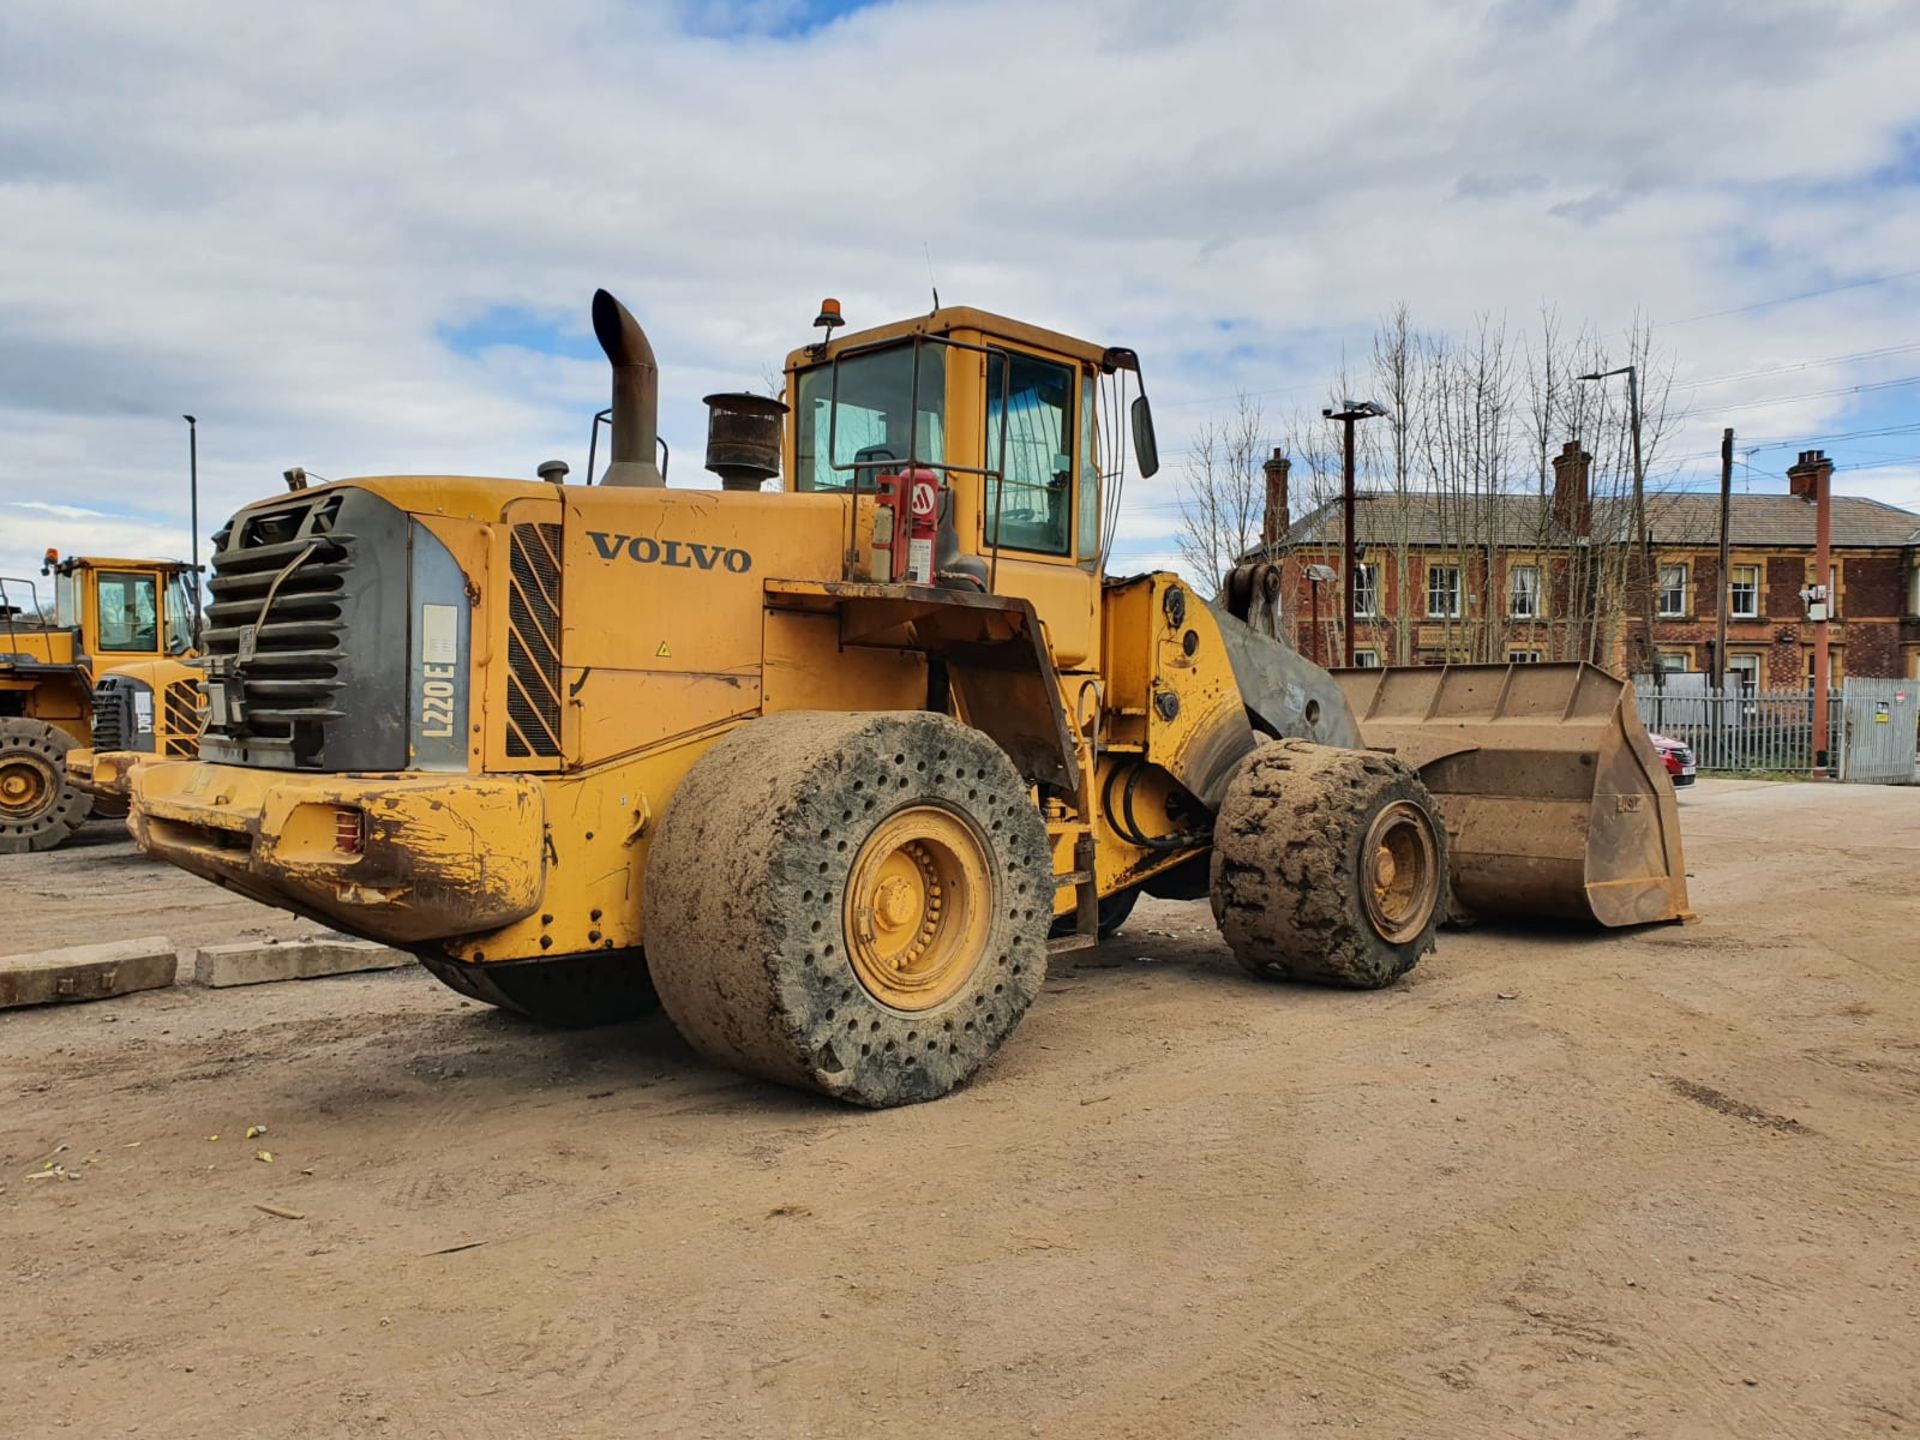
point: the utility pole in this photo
(1726, 575)
(1350, 412)
(1822, 570)
(193, 502)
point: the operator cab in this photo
(1009, 416)
(122, 609)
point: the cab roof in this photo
(950, 318)
(67, 564)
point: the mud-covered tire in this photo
(574, 992)
(1297, 853)
(39, 808)
(1114, 910)
(767, 966)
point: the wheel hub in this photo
(1402, 881)
(917, 907)
(24, 788)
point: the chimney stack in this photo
(1276, 522)
(1805, 478)
(1572, 496)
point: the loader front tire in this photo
(850, 903)
(1328, 866)
(39, 808)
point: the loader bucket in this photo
(1554, 800)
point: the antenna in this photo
(932, 284)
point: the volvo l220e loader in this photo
(104, 668)
(829, 771)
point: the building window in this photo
(1836, 668)
(1673, 662)
(1366, 659)
(1744, 593)
(1366, 591)
(1743, 671)
(1913, 591)
(1523, 592)
(1443, 591)
(1523, 657)
(1673, 590)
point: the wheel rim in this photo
(918, 907)
(1402, 880)
(27, 788)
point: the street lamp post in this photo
(193, 505)
(1317, 575)
(1641, 537)
(1349, 414)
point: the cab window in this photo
(1031, 401)
(874, 420)
(129, 616)
(1089, 546)
(179, 616)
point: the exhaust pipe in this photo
(636, 394)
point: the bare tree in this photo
(1222, 492)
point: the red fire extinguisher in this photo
(906, 517)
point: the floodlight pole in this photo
(193, 503)
(1639, 520)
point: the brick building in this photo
(1531, 577)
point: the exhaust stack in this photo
(636, 394)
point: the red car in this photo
(1677, 758)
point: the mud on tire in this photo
(38, 808)
(603, 987)
(1328, 866)
(767, 966)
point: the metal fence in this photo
(1870, 734)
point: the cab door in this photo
(124, 606)
(1039, 522)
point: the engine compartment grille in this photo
(533, 642)
(184, 709)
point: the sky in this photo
(362, 238)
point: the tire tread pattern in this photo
(1286, 867)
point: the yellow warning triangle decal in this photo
(663, 653)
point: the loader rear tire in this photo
(1114, 910)
(573, 992)
(1328, 866)
(39, 808)
(850, 903)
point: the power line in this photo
(1787, 369)
(1790, 299)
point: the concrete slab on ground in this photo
(252, 964)
(87, 972)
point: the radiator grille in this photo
(278, 583)
(184, 706)
(533, 642)
(112, 717)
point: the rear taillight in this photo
(349, 835)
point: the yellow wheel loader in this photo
(109, 623)
(830, 771)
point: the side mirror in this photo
(1145, 448)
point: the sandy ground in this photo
(1661, 1184)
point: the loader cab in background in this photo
(122, 610)
(1007, 414)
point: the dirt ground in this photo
(1658, 1184)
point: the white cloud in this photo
(270, 217)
